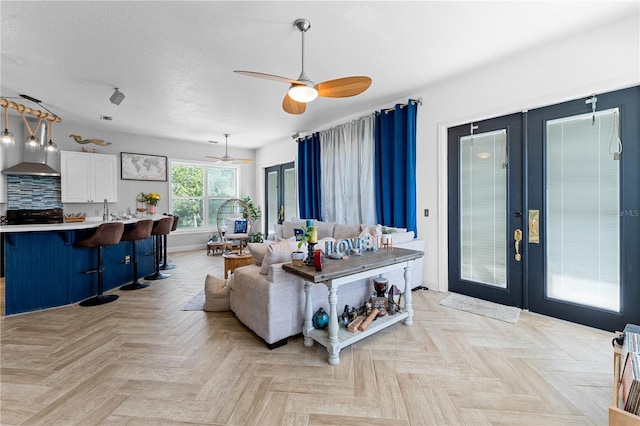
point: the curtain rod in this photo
(413, 101)
(386, 111)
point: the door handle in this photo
(517, 236)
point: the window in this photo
(197, 190)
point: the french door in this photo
(485, 210)
(565, 238)
(280, 194)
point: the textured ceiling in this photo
(174, 60)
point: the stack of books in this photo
(630, 376)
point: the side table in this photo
(233, 261)
(223, 246)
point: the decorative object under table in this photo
(338, 272)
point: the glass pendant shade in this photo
(300, 93)
(51, 147)
(32, 143)
(7, 139)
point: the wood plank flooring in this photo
(143, 361)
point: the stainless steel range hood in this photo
(31, 169)
(34, 163)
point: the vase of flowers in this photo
(152, 198)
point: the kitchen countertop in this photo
(71, 226)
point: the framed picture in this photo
(143, 167)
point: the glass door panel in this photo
(273, 207)
(483, 208)
(280, 194)
(583, 227)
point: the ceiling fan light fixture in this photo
(302, 93)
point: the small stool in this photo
(165, 263)
(160, 228)
(106, 234)
(140, 231)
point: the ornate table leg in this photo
(334, 345)
(407, 295)
(308, 314)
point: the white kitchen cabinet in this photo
(88, 178)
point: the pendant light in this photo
(50, 147)
(32, 144)
(7, 139)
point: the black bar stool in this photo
(166, 264)
(160, 228)
(140, 231)
(106, 234)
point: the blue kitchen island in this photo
(43, 269)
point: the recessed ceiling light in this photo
(106, 117)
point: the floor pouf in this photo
(216, 294)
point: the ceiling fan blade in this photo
(242, 161)
(291, 106)
(343, 87)
(268, 76)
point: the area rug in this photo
(482, 307)
(196, 303)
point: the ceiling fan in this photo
(303, 89)
(227, 159)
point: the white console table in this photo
(338, 272)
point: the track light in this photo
(117, 97)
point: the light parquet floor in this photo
(143, 361)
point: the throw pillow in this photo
(325, 229)
(258, 251)
(341, 232)
(277, 253)
(288, 228)
(240, 227)
(216, 294)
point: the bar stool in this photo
(140, 231)
(106, 234)
(166, 264)
(160, 228)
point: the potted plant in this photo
(251, 211)
(297, 257)
(152, 198)
(386, 234)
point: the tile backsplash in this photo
(33, 192)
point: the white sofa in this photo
(270, 301)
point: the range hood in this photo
(31, 169)
(34, 163)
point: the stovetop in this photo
(26, 217)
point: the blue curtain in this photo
(395, 166)
(309, 177)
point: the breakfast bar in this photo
(43, 268)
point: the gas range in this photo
(33, 217)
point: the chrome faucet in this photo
(105, 211)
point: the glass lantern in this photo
(141, 204)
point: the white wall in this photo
(604, 59)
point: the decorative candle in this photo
(309, 223)
(313, 234)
